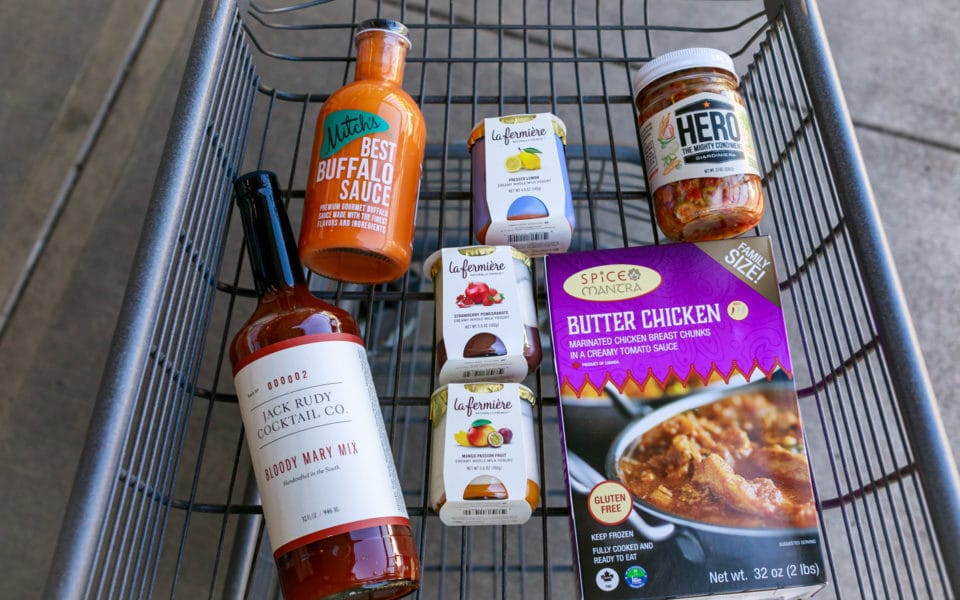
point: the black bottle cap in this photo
(266, 228)
(255, 182)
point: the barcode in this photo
(483, 373)
(483, 512)
(528, 237)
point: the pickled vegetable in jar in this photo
(698, 147)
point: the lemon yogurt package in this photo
(519, 183)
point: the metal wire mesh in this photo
(185, 520)
(875, 513)
(130, 559)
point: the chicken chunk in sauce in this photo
(737, 462)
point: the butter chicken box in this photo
(687, 471)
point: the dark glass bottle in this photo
(329, 487)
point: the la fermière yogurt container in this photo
(483, 462)
(486, 314)
(519, 183)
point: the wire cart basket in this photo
(164, 503)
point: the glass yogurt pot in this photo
(486, 316)
(519, 184)
(483, 460)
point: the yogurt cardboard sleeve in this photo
(519, 183)
(686, 465)
(483, 460)
(486, 317)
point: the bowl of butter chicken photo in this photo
(728, 461)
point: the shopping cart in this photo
(164, 503)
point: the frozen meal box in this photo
(687, 471)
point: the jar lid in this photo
(559, 127)
(678, 60)
(432, 264)
(388, 25)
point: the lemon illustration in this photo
(530, 161)
(513, 164)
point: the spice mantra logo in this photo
(610, 283)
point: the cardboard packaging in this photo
(687, 471)
(483, 461)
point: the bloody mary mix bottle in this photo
(364, 177)
(329, 487)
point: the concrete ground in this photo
(86, 93)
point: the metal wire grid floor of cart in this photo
(164, 502)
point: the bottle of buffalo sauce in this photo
(364, 176)
(329, 487)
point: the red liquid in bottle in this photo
(330, 492)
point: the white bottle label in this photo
(704, 135)
(317, 441)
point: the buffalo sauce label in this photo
(704, 135)
(317, 441)
(355, 171)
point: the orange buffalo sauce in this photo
(364, 177)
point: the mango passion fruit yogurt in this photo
(483, 462)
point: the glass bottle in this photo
(329, 487)
(364, 177)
